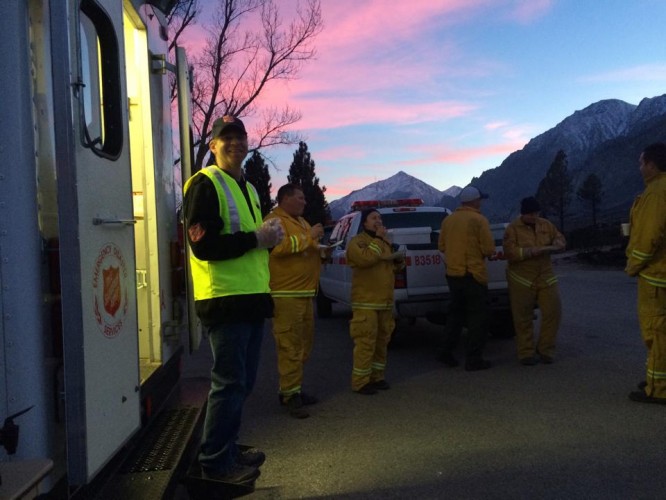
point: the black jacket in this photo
(200, 206)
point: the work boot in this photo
(367, 390)
(382, 385)
(545, 359)
(295, 407)
(251, 457)
(237, 474)
(641, 397)
(307, 399)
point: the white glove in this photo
(269, 234)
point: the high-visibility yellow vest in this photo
(247, 274)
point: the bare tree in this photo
(237, 64)
(183, 14)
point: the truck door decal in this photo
(110, 291)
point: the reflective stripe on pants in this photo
(523, 299)
(652, 319)
(293, 330)
(371, 331)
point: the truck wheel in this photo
(324, 305)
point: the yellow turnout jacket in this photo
(465, 240)
(295, 263)
(372, 277)
(646, 251)
(522, 268)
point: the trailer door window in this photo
(100, 85)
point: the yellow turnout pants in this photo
(652, 319)
(523, 299)
(371, 331)
(293, 330)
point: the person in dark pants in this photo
(466, 241)
(229, 263)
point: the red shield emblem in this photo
(111, 289)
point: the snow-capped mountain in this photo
(398, 186)
(605, 138)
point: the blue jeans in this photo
(236, 348)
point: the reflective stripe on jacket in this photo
(465, 240)
(646, 251)
(294, 263)
(521, 268)
(372, 277)
(247, 274)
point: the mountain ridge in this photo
(603, 138)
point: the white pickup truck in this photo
(420, 290)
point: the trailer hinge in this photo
(161, 65)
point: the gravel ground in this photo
(565, 430)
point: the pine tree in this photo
(591, 191)
(554, 191)
(256, 172)
(302, 173)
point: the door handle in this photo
(97, 221)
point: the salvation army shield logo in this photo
(111, 290)
(110, 297)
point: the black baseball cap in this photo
(529, 205)
(225, 123)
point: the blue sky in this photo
(446, 89)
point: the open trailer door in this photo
(97, 259)
(184, 86)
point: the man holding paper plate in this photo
(528, 242)
(294, 265)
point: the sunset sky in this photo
(445, 89)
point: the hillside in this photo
(605, 138)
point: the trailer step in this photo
(151, 470)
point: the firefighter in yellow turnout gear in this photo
(373, 264)
(646, 258)
(294, 266)
(528, 242)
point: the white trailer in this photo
(93, 313)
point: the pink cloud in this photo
(495, 125)
(379, 49)
(526, 11)
(343, 186)
(342, 152)
(641, 73)
(439, 155)
(379, 22)
(341, 112)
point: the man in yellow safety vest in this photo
(229, 263)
